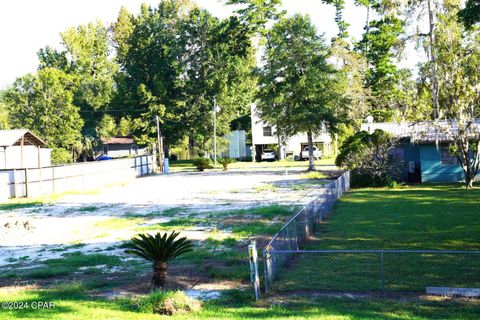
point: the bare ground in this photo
(86, 223)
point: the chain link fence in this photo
(289, 268)
(374, 270)
(296, 232)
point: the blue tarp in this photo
(104, 158)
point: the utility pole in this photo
(215, 110)
(160, 145)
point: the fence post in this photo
(267, 265)
(253, 258)
(53, 179)
(26, 182)
(296, 233)
(14, 183)
(307, 225)
(382, 270)
(141, 166)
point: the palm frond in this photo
(159, 247)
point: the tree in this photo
(219, 66)
(255, 14)
(175, 59)
(4, 121)
(380, 45)
(107, 127)
(86, 57)
(83, 149)
(159, 249)
(367, 156)
(43, 103)
(150, 51)
(458, 52)
(470, 15)
(299, 90)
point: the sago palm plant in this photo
(159, 249)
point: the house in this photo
(264, 137)
(424, 149)
(20, 149)
(119, 147)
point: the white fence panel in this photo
(79, 176)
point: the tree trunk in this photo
(433, 60)
(281, 155)
(468, 182)
(311, 164)
(160, 269)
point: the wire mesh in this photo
(289, 268)
(374, 270)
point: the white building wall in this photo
(293, 144)
(237, 148)
(11, 157)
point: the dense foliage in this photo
(368, 158)
(174, 60)
(299, 89)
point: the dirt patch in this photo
(100, 223)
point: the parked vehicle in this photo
(317, 154)
(268, 154)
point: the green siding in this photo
(432, 169)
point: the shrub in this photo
(368, 157)
(61, 156)
(159, 249)
(202, 164)
(225, 162)
(168, 303)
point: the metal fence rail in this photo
(300, 228)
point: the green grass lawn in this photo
(72, 301)
(421, 217)
(432, 217)
(187, 165)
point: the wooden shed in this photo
(20, 148)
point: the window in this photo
(446, 158)
(267, 131)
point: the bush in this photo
(61, 156)
(168, 303)
(202, 164)
(367, 156)
(225, 162)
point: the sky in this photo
(28, 25)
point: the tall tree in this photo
(380, 45)
(470, 15)
(175, 59)
(458, 52)
(43, 103)
(86, 57)
(255, 14)
(150, 49)
(298, 87)
(4, 121)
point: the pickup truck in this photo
(317, 154)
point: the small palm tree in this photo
(225, 162)
(159, 249)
